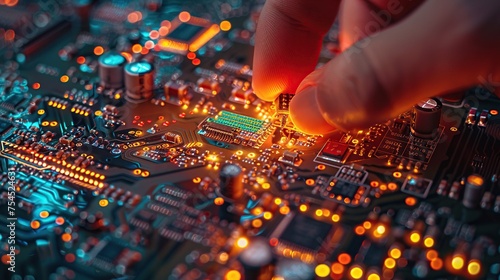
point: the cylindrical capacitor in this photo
(139, 80)
(257, 259)
(111, 69)
(473, 191)
(426, 118)
(231, 181)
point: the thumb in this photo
(443, 46)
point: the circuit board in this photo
(133, 147)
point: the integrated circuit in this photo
(231, 128)
(188, 34)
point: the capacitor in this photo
(257, 259)
(426, 118)
(473, 191)
(231, 181)
(139, 80)
(111, 69)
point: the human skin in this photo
(394, 54)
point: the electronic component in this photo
(111, 69)
(188, 33)
(231, 181)
(139, 81)
(426, 118)
(133, 146)
(236, 129)
(473, 191)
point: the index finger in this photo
(288, 42)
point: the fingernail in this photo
(305, 114)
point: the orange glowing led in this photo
(397, 174)
(184, 16)
(431, 255)
(321, 167)
(410, 201)
(9, 35)
(66, 237)
(219, 201)
(437, 264)
(392, 186)
(310, 182)
(196, 61)
(44, 214)
(367, 224)
(35, 224)
(59, 220)
(134, 17)
(337, 268)
(493, 112)
(344, 258)
(191, 55)
(127, 56)
(374, 184)
(225, 25)
(154, 34)
(136, 48)
(36, 86)
(98, 50)
(80, 60)
(64, 79)
(257, 223)
(284, 210)
(359, 230)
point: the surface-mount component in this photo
(236, 129)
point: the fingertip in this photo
(305, 113)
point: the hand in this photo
(394, 54)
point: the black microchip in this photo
(185, 32)
(344, 188)
(306, 232)
(4, 126)
(110, 252)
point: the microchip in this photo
(4, 126)
(332, 152)
(188, 33)
(416, 186)
(305, 233)
(109, 252)
(231, 128)
(345, 192)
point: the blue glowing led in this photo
(139, 67)
(112, 59)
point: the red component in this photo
(335, 149)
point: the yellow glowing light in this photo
(380, 229)
(303, 208)
(474, 267)
(397, 174)
(266, 186)
(277, 201)
(415, 237)
(268, 215)
(41, 111)
(390, 263)
(103, 202)
(335, 218)
(356, 272)
(373, 276)
(225, 25)
(242, 242)
(233, 275)
(219, 201)
(457, 262)
(322, 270)
(428, 242)
(319, 212)
(395, 253)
